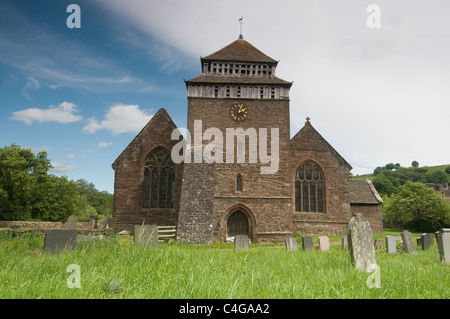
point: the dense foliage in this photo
(27, 191)
(408, 202)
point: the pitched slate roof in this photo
(362, 191)
(239, 51)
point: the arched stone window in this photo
(309, 184)
(159, 180)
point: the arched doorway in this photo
(237, 224)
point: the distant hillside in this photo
(388, 178)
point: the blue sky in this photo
(377, 95)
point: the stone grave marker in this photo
(360, 243)
(391, 247)
(425, 241)
(443, 242)
(324, 243)
(408, 242)
(291, 244)
(108, 223)
(307, 243)
(56, 240)
(146, 235)
(241, 242)
(344, 242)
(378, 244)
(72, 222)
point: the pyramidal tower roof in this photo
(239, 51)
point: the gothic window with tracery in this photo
(159, 180)
(309, 188)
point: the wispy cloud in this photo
(63, 113)
(103, 144)
(119, 119)
(62, 168)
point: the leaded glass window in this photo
(159, 180)
(309, 188)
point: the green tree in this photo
(101, 201)
(417, 207)
(20, 170)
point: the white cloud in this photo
(62, 168)
(63, 113)
(119, 119)
(71, 155)
(103, 144)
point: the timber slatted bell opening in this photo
(159, 180)
(309, 189)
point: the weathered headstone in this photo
(324, 243)
(419, 241)
(146, 235)
(72, 222)
(307, 243)
(426, 241)
(408, 242)
(108, 222)
(443, 241)
(91, 221)
(56, 240)
(378, 244)
(344, 242)
(241, 242)
(291, 244)
(360, 243)
(391, 246)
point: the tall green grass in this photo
(217, 271)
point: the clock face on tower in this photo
(238, 112)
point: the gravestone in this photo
(324, 243)
(443, 241)
(378, 244)
(146, 235)
(391, 247)
(291, 244)
(426, 241)
(408, 242)
(360, 243)
(344, 242)
(56, 240)
(307, 243)
(419, 241)
(72, 222)
(108, 222)
(241, 242)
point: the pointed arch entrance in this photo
(238, 220)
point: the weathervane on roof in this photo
(241, 22)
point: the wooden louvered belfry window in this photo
(159, 180)
(309, 185)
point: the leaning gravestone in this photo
(360, 243)
(56, 240)
(391, 247)
(344, 242)
(408, 242)
(307, 243)
(241, 242)
(443, 241)
(291, 244)
(324, 243)
(146, 235)
(72, 222)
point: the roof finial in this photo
(241, 37)
(307, 119)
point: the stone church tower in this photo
(256, 181)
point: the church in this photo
(269, 186)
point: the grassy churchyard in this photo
(217, 271)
